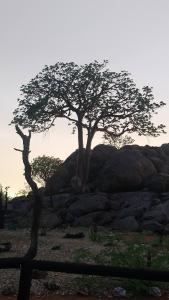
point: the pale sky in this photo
(132, 34)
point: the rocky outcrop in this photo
(128, 190)
(131, 211)
(130, 168)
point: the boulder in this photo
(156, 213)
(56, 201)
(19, 203)
(126, 224)
(88, 203)
(158, 183)
(112, 169)
(165, 149)
(61, 180)
(50, 220)
(152, 225)
(100, 218)
(127, 170)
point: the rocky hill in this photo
(128, 190)
(130, 168)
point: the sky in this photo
(131, 34)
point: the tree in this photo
(3, 204)
(43, 167)
(92, 98)
(1, 208)
(117, 141)
(37, 204)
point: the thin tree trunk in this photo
(87, 161)
(1, 211)
(32, 251)
(80, 158)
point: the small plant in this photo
(81, 255)
(135, 253)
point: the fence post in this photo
(25, 282)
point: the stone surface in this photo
(126, 169)
(126, 224)
(153, 226)
(88, 203)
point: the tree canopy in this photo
(92, 98)
(118, 141)
(43, 167)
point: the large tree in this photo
(92, 98)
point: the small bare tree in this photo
(32, 251)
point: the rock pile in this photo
(131, 211)
(129, 168)
(129, 190)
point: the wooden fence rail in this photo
(26, 268)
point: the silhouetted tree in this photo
(117, 141)
(43, 167)
(92, 98)
(2, 211)
(31, 253)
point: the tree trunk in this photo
(32, 251)
(87, 162)
(1, 212)
(80, 159)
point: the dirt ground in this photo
(65, 249)
(74, 297)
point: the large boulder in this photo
(126, 224)
(126, 170)
(61, 180)
(112, 169)
(88, 203)
(158, 182)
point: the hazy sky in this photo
(133, 35)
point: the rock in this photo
(57, 247)
(109, 168)
(5, 247)
(8, 291)
(57, 201)
(155, 291)
(137, 212)
(50, 220)
(20, 204)
(165, 149)
(78, 235)
(100, 218)
(100, 155)
(126, 224)
(61, 180)
(116, 176)
(119, 292)
(158, 183)
(153, 226)
(51, 285)
(88, 203)
(157, 213)
(166, 229)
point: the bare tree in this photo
(32, 251)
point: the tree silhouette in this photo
(43, 167)
(93, 99)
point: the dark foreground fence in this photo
(26, 268)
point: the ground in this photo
(53, 246)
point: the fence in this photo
(26, 268)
